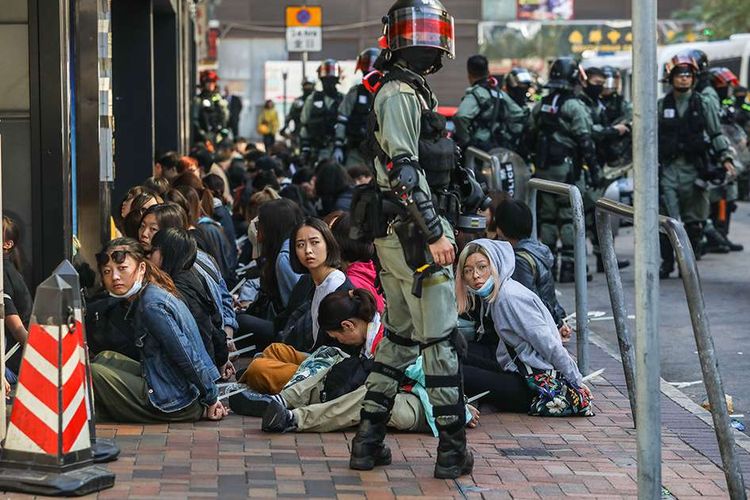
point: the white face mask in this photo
(137, 286)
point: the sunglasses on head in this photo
(118, 256)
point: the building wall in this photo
(258, 19)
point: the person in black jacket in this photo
(174, 250)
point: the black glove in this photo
(594, 177)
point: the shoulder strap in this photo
(530, 260)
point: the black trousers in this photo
(508, 390)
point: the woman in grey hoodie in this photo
(529, 342)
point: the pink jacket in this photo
(363, 275)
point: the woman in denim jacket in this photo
(175, 380)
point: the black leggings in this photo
(508, 390)
(262, 330)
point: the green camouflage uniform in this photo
(319, 137)
(481, 112)
(398, 109)
(353, 112)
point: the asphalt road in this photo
(726, 288)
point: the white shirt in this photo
(329, 285)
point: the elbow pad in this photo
(403, 177)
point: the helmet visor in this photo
(421, 27)
(610, 83)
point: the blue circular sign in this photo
(303, 16)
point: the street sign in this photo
(304, 31)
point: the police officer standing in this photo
(603, 134)
(561, 127)
(487, 117)
(690, 139)
(616, 148)
(518, 84)
(351, 127)
(209, 111)
(295, 112)
(319, 115)
(417, 34)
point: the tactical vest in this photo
(437, 153)
(356, 127)
(322, 121)
(612, 110)
(682, 135)
(486, 119)
(549, 150)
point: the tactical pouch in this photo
(413, 244)
(368, 220)
(437, 153)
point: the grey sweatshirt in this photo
(523, 322)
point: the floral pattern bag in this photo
(554, 396)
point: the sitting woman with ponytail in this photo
(175, 378)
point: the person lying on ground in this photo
(529, 345)
(175, 379)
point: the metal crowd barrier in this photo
(605, 209)
(579, 226)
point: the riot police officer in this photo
(319, 115)
(616, 149)
(487, 117)
(690, 144)
(703, 77)
(295, 112)
(561, 127)
(416, 248)
(351, 127)
(518, 84)
(210, 112)
(723, 199)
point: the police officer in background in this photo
(351, 127)
(417, 34)
(561, 129)
(723, 199)
(703, 78)
(487, 117)
(690, 144)
(616, 149)
(209, 111)
(517, 84)
(295, 112)
(319, 115)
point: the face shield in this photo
(421, 27)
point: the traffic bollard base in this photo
(77, 482)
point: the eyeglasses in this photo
(480, 270)
(118, 256)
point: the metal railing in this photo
(675, 231)
(579, 226)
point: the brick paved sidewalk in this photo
(516, 457)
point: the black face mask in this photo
(329, 86)
(723, 92)
(423, 60)
(593, 91)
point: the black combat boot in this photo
(715, 241)
(621, 264)
(695, 235)
(368, 449)
(454, 459)
(667, 257)
(567, 271)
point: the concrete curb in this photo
(677, 396)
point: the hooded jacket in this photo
(363, 275)
(539, 281)
(523, 322)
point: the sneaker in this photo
(253, 404)
(278, 419)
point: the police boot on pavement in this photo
(693, 154)
(416, 245)
(565, 152)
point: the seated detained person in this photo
(175, 379)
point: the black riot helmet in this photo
(700, 58)
(519, 77)
(611, 79)
(420, 32)
(564, 73)
(366, 60)
(329, 68)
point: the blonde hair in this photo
(464, 298)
